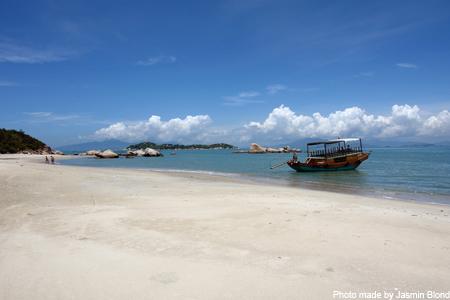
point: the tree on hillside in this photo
(13, 141)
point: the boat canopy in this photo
(336, 147)
(346, 140)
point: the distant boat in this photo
(332, 155)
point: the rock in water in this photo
(255, 148)
(147, 152)
(107, 154)
(151, 152)
(92, 152)
(138, 152)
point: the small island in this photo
(145, 145)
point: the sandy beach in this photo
(90, 233)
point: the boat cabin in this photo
(334, 148)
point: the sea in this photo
(412, 174)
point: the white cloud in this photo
(13, 53)
(47, 117)
(189, 129)
(284, 125)
(249, 94)
(403, 121)
(242, 98)
(407, 65)
(157, 60)
(437, 125)
(247, 97)
(39, 114)
(275, 88)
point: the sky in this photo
(225, 71)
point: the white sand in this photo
(85, 233)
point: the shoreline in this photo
(100, 233)
(249, 179)
(378, 193)
(218, 177)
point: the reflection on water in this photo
(414, 173)
(344, 181)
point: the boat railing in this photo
(334, 152)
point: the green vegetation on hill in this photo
(178, 146)
(13, 141)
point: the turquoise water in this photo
(421, 174)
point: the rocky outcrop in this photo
(151, 152)
(92, 152)
(43, 151)
(255, 148)
(147, 152)
(107, 154)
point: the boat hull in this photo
(342, 163)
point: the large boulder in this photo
(138, 152)
(130, 153)
(107, 154)
(273, 150)
(151, 152)
(92, 152)
(147, 152)
(255, 148)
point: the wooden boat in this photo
(332, 155)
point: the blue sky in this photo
(72, 71)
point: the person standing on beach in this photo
(46, 159)
(52, 159)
